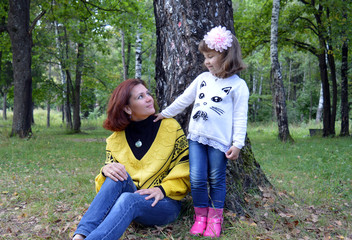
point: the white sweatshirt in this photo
(219, 115)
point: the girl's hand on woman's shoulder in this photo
(159, 116)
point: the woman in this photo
(146, 173)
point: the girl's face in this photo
(141, 103)
(212, 60)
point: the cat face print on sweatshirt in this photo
(209, 102)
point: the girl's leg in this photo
(217, 183)
(102, 204)
(198, 164)
(133, 207)
(217, 177)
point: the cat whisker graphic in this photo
(217, 110)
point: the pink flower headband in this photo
(218, 39)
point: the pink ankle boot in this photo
(200, 218)
(214, 221)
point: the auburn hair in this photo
(117, 119)
(231, 58)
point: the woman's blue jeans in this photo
(116, 206)
(207, 164)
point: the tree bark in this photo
(138, 67)
(123, 55)
(77, 89)
(180, 25)
(344, 85)
(18, 28)
(279, 92)
(320, 105)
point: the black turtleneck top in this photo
(144, 131)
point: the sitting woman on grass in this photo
(146, 173)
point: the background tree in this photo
(344, 78)
(19, 31)
(180, 26)
(278, 86)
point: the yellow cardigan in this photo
(165, 164)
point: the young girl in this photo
(217, 127)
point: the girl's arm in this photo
(239, 120)
(181, 102)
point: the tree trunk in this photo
(61, 66)
(180, 25)
(138, 67)
(320, 105)
(326, 95)
(344, 86)
(123, 55)
(77, 90)
(69, 124)
(18, 28)
(279, 92)
(4, 106)
(332, 66)
(328, 126)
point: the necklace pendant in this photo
(138, 144)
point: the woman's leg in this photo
(198, 164)
(133, 207)
(102, 204)
(217, 177)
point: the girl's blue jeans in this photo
(207, 164)
(116, 206)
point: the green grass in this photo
(47, 182)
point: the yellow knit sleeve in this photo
(176, 184)
(100, 178)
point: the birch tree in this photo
(180, 25)
(278, 88)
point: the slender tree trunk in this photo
(279, 92)
(4, 106)
(18, 28)
(332, 66)
(69, 124)
(254, 89)
(320, 105)
(123, 55)
(138, 67)
(344, 85)
(178, 62)
(61, 67)
(77, 90)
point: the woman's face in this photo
(141, 103)
(212, 60)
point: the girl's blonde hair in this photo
(231, 58)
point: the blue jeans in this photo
(207, 164)
(116, 206)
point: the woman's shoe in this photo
(200, 221)
(214, 222)
(78, 237)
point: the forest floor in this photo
(47, 183)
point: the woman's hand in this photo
(233, 153)
(115, 171)
(155, 193)
(159, 116)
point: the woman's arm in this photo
(176, 184)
